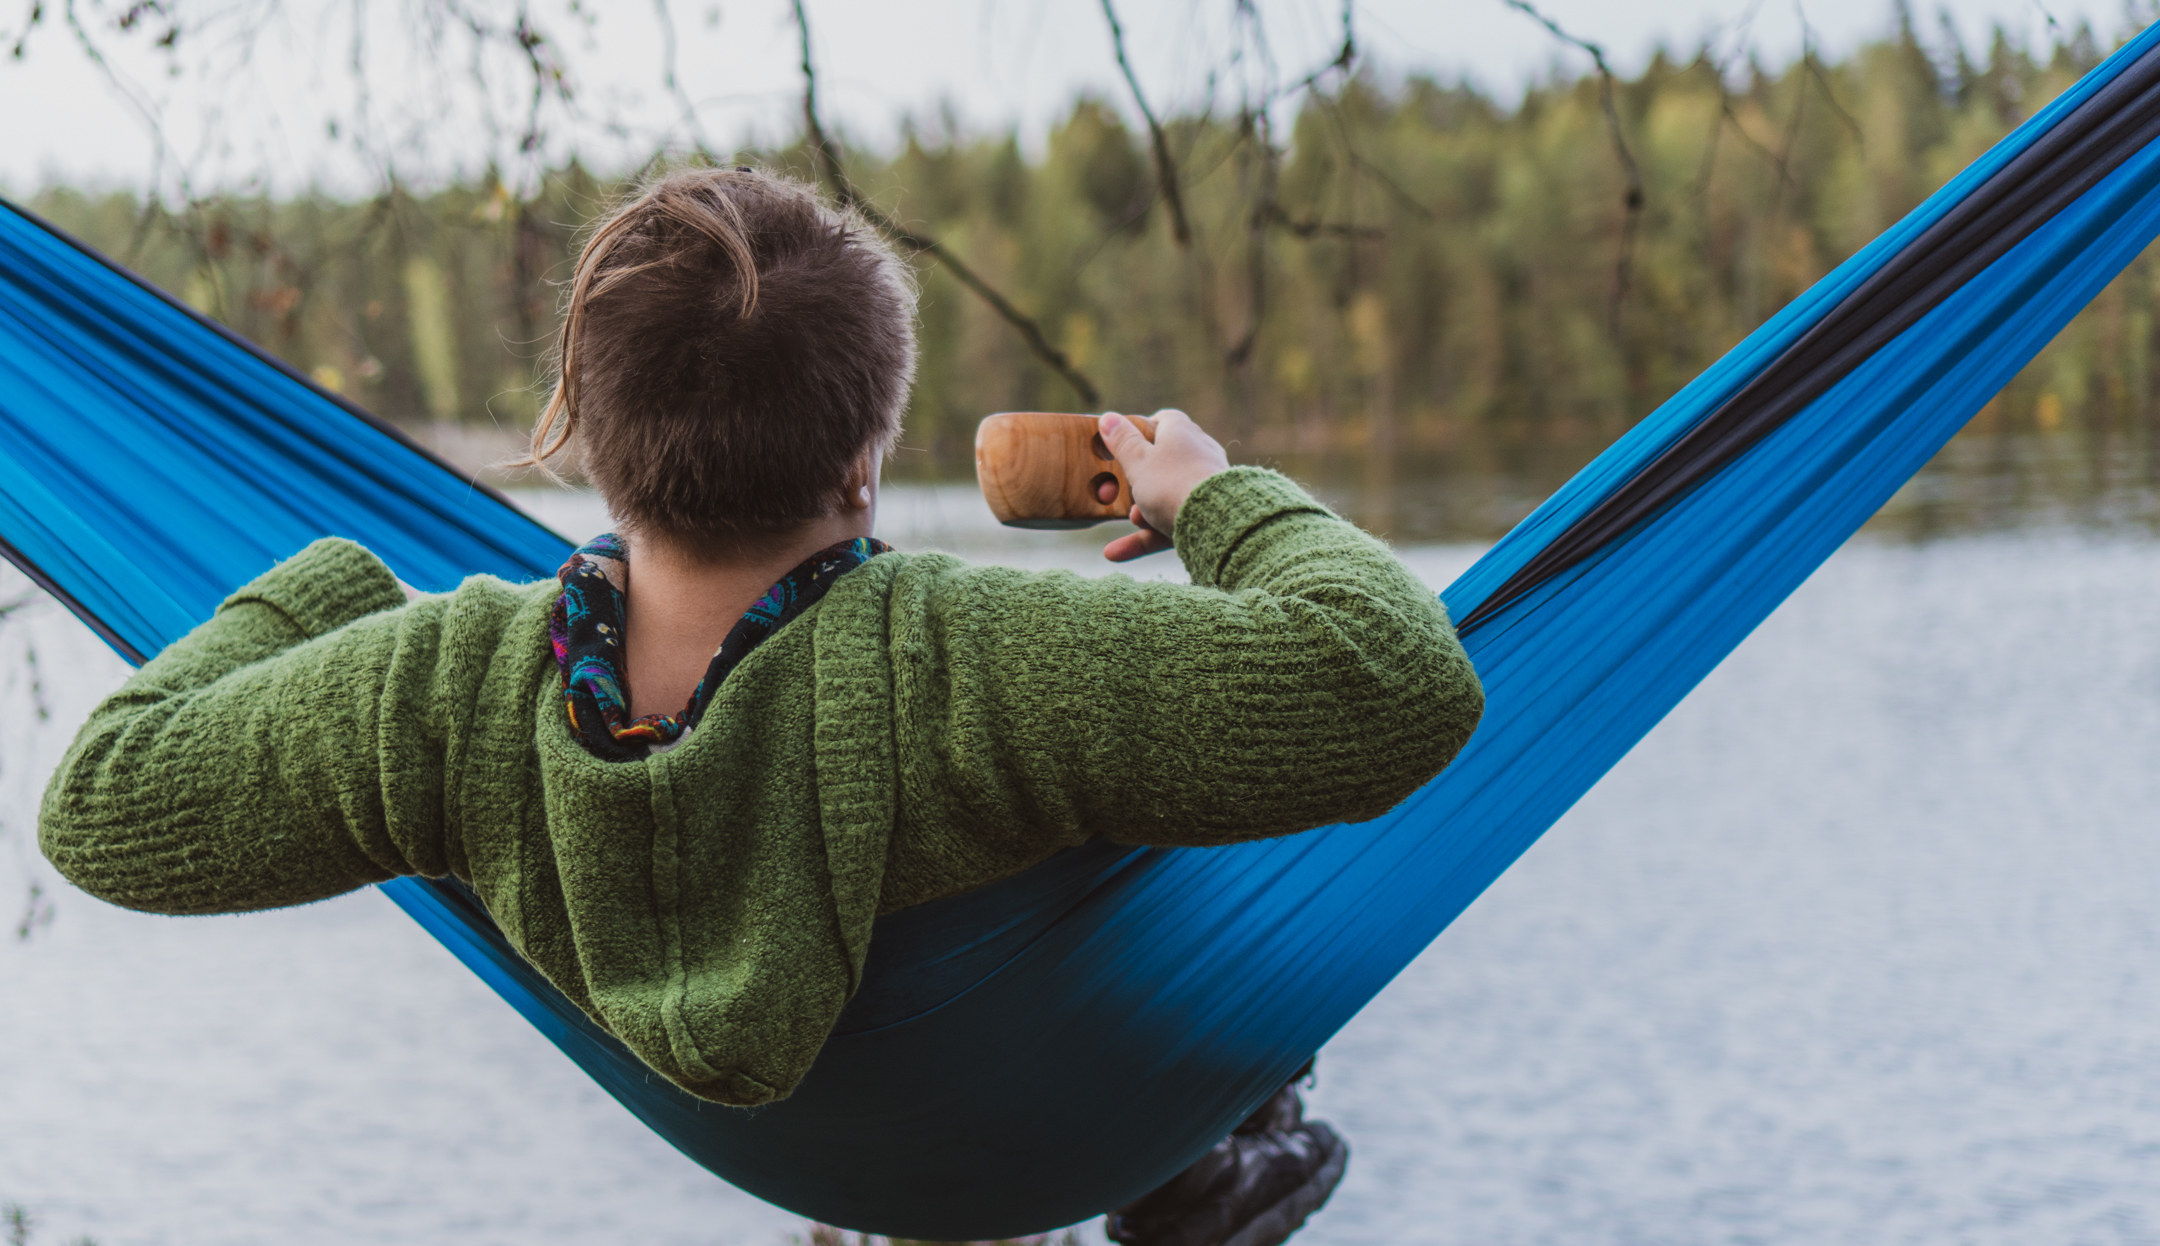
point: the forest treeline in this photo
(1418, 273)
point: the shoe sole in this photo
(1289, 1214)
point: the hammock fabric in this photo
(1033, 1053)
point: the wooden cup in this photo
(1041, 469)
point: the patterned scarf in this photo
(587, 631)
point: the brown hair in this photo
(731, 346)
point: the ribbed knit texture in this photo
(928, 727)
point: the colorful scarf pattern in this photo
(586, 629)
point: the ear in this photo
(862, 481)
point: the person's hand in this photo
(1162, 473)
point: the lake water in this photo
(1861, 945)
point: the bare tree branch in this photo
(550, 76)
(1633, 198)
(1314, 227)
(1265, 212)
(1779, 159)
(1386, 180)
(1345, 56)
(37, 915)
(1192, 176)
(143, 107)
(673, 83)
(821, 153)
(1388, 183)
(830, 171)
(1256, 130)
(1718, 67)
(33, 17)
(1256, 134)
(38, 703)
(1813, 64)
(1267, 216)
(1166, 172)
(1025, 325)
(1822, 80)
(1783, 158)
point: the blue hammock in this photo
(1030, 1054)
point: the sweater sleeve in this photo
(1303, 677)
(242, 767)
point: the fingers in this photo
(1136, 544)
(1161, 470)
(1123, 437)
(1126, 443)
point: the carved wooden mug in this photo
(1042, 469)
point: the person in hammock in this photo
(686, 776)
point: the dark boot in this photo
(1255, 1188)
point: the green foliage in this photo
(1433, 277)
(16, 1223)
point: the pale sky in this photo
(252, 99)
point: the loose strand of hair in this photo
(558, 422)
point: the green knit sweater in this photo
(926, 728)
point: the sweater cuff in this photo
(1226, 508)
(325, 586)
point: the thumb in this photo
(1123, 437)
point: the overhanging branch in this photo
(1633, 198)
(830, 171)
(1166, 171)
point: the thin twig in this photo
(363, 110)
(1779, 160)
(827, 159)
(821, 154)
(1633, 199)
(1166, 173)
(1025, 325)
(1700, 192)
(1785, 150)
(38, 704)
(1813, 64)
(550, 75)
(1255, 130)
(1389, 184)
(37, 915)
(673, 83)
(1267, 211)
(1345, 56)
(1718, 64)
(1193, 176)
(1822, 80)
(1256, 127)
(143, 107)
(1358, 160)
(33, 16)
(1313, 227)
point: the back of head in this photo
(731, 349)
